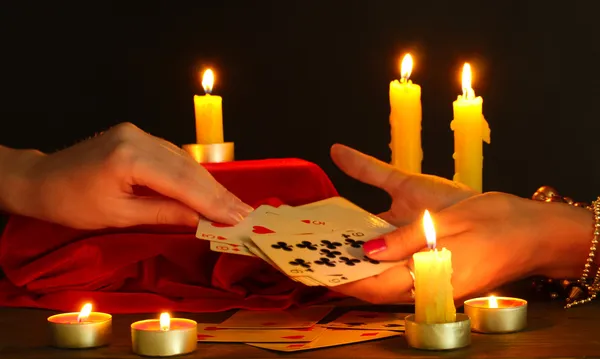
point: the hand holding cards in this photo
(319, 244)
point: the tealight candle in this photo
(85, 329)
(497, 314)
(164, 337)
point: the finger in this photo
(389, 287)
(156, 164)
(140, 211)
(399, 244)
(191, 184)
(409, 239)
(367, 169)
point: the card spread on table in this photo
(214, 333)
(294, 318)
(329, 338)
(369, 320)
(318, 244)
(297, 329)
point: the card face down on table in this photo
(318, 244)
(297, 329)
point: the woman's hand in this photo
(411, 193)
(494, 237)
(93, 184)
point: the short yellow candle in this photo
(209, 113)
(470, 130)
(434, 301)
(405, 120)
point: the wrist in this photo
(16, 179)
(567, 237)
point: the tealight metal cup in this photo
(67, 333)
(438, 336)
(164, 343)
(211, 153)
(510, 316)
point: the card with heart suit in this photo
(217, 232)
(332, 259)
(278, 319)
(262, 221)
(230, 248)
(329, 338)
(214, 333)
(369, 321)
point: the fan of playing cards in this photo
(298, 329)
(318, 244)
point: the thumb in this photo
(159, 211)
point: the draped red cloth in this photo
(153, 268)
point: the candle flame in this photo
(165, 321)
(429, 230)
(492, 302)
(406, 67)
(84, 314)
(208, 80)
(467, 78)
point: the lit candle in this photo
(405, 120)
(209, 113)
(79, 330)
(434, 301)
(165, 336)
(470, 130)
(497, 314)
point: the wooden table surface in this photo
(552, 332)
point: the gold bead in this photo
(568, 200)
(544, 193)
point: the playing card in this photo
(333, 201)
(346, 217)
(329, 338)
(369, 320)
(215, 333)
(332, 259)
(253, 249)
(230, 248)
(217, 232)
(294, 318)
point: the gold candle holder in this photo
(82, 330)
(211, 153)
(497, 314)
(164, 337)
(438, 336)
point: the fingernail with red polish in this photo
(375, 246)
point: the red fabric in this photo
(153, 268)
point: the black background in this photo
(297, 76)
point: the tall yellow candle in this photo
(470, 130)
(434, 301)
(209, 113)
(405, 120)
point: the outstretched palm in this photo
(411, 193)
